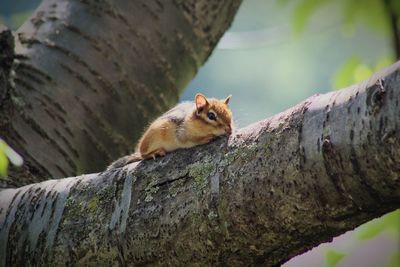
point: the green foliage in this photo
(92, 205)
(16, 20)
(6, 154)
(395, 5)
(14, 13)
(303, 12)
(354, 71)
(389, 222)
(394, 260)
(345, 75)
(332, 257)
(384, 62)
(370, 12)
(3, 162)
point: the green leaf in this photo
(282, 2)
(395, 5)
(303, 13)
(370, 230)
(384, 61)
(371, 13)
(394, 260)
(6, 154)
(392, 218)
(332, 257)
(20, 17)
(390, 221)
(354, 71)
(362, 72)
(350, 9)
(3, 163)
(345, 75)
(375, 15)
(13, 156)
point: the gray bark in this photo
(89, 75)
(271, 191)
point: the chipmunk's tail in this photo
(121, 162)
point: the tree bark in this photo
(89, 75)
(271, 191)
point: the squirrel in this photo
(186, 125)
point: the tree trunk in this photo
(393, 11)
(271, 191)
(89, 75)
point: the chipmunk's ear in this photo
(201, 102)
(226, 101)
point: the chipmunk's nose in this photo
(228, 130)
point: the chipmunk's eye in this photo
(211, 116)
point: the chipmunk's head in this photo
(215, 114)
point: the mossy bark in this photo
(269, 192)
(89, 75)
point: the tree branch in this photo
(89, 75)
(272, 191)
(6, 58)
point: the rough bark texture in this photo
(269, 192)
(89, 75)
(6, 59)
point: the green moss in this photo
(245, 151)
(151, 189)
(92, 205)
(200, 173)
(18, 102)
(212, 215)
(148, 198)
(107, 192)
(74, 208)
(175, 187)
(326, 132)
(266, 148)
(99, 257)
(228, 159)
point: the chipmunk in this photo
(186, 125)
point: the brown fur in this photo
(185, 126)
(154, 139)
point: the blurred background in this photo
(276, 54)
